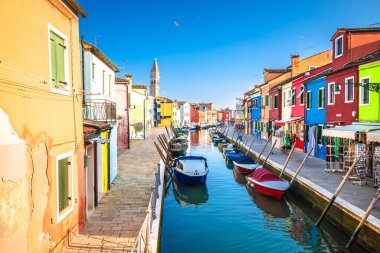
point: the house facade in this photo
(164, 111)
(122, 99)
(194, 114)
(137, 122)
(256, 112)
(42, 146)
(184, 113)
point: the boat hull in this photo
(190, 180)
(243, 170)
(274, 193)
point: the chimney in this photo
(128, 77)
(295, 64)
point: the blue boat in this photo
(233, 156)
(190, 170)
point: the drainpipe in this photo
(144, 117)
(95, 150)
(128, 104)
(108, 160)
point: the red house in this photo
(194, 114)
(275, 102)
(349, 44)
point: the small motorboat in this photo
(216, 141)
(267, 183)
(190, 170)
(178, 149)
(223, 144)
(234, 155)
(182, 139)
(230, 148)
(245, 165)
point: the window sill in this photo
(60, 217)
(60, 92)
(364, 104)
(337, 56)
(351, 101)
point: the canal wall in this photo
(343, 215)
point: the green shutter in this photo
(266, 100)
(60, 46)
(63, 181)
(323, 97)
(53, 61)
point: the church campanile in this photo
(155, 80)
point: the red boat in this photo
(267, 183)
(246, 168)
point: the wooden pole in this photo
(233, 134)
(270, 152)
(164, 137)
(167, 131)
(365, 216)
(336, 192)
(288, 159)
(245, 143)
(301, 165)
(250, 146)
(165, 148)
(262, 150)
(162, 157)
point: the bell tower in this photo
(154, 90)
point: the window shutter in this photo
(63, 177)
(60, 47)
(323, 98)
(53, 59)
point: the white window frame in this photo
(311, 98)
(302, 93)
(328, 93)
(70, 155)
(294, 92)
(346, 90)
(67, 91)
(336, 46)
(324, 94)
(362, 92)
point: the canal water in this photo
(226, 216)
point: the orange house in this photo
(41, 134)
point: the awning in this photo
(350, 131)
(283, 121)
(373, 136)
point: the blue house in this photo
(256, 113)
(315, 114)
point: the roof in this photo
(276, 70)
(357, 29)
(121, 80)
(155, 71)
(371, 57)
(164, 98)
(76, 7)
(181, 102)
(93, 123)
(89, 130)
(315, 77)
(350, 131)
(288, 80)
(139, 86)
(96, 51)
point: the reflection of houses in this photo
(99, 106)
(41, 148)
(138, 111)
(122, 98)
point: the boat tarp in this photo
(245, 160)
(373, 136)
(263, 175)
(235, 155)
(189, 158)
(349, 131)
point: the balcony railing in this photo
(99, 110)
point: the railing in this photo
(99, 110)
(142, 243)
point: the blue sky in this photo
(220, 47)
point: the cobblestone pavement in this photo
(117, 219)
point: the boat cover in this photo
(235, 155)
(245, 160)
(190, 157)
(263, 175)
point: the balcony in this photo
(99, 110)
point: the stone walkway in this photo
(117, 219)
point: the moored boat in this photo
(234, 155)
(190, 170)
(245, 165)
(267, 183)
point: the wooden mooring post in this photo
(336, 192)
(262, 150)
(288, 159)
(250, 146)
(301, 165)
(270, 152)
(167, 131)
(364, 218)
(232, 138)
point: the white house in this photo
(184, 113)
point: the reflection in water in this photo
(272, 207)
(190, 195)
(240, 179)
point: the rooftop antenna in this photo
(299, 43)
(125, 64)
(378, 23)
(96, 39)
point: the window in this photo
(294, 97)
(339, 46)
(308, 100)
(270, 102)
(110, 85)
(331, 93)
(302, 95)
(104, 82)
(275, 101)
(267, 100)
(64, 169)
(283, 98)
(321, 98)
(349, 84)
(58, 62)
(313, 67)
(364, 91)
(93, 70)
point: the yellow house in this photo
(41, 133)
(164, 111)
(137, 113)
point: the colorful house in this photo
(99, 105)
(256, 112)
(349, 44)
(164, 111)
(137, 113)
(43, 192)
(315, 114)
(184, 113)
(194, 114)
(123, 88)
